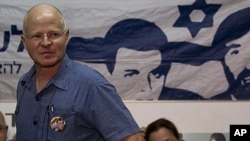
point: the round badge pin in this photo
(57, 123)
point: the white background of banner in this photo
(189, 116)
(90, 19)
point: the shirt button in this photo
(34, 122)
(37, 98)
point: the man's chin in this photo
(48, 64)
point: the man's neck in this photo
(44, 75)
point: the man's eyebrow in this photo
(132, 70)
(234, 45)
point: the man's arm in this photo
(134, 137)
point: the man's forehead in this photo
(133, 59)
(125, 53)
(39, 13)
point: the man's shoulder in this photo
(86, 72)
(81, 68)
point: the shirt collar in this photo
(60, 79)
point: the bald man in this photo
(58, 88)
(3, 128)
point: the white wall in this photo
(189, 116)
(193, 116)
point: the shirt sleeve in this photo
(109, 114)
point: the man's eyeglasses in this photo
(38, 37)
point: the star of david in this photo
(193, 26)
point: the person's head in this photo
(134, 52)
(45, 35)
(232, 27)
(162, 130)
(217, 137)
(233, 34)
(3, 128)
(61, 124)
(133, 34)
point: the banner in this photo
(149, 50)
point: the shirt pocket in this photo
(65, 132)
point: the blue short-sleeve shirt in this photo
(83, 98)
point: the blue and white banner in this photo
(149, 50)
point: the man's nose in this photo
(45, 40)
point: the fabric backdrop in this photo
(150, 50)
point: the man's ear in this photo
(67, 36)
(23, 40)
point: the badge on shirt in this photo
(57, 123)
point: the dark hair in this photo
(136, 34)
(217, 137)
(161, 123)
(233, 27)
